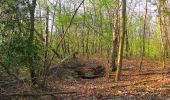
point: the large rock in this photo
(79, 68)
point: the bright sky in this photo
(139, 6)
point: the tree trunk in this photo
(115, 36)
(31, 39)
(143, 38)
(121, 44)
(46, 68)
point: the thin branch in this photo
(62, 38)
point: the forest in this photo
(84, 49)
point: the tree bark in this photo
(143, 37)
(46, 68)
(115, 38)
(121, 44)
(31, 40)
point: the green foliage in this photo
(63, 20)
(162, 0)
(9, 1)
(106, 3)
(167, 13)
(9, 5)
(15, 51)
(90, 33)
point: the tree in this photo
(144, 36)
(31, 55)
(115, 37)
(46, 62)
(121, 44)
(163, 21)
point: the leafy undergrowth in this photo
(152, 82)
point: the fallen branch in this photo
(143, 81)
(34, 94)
(4, 83)
(150, 73)
(136, 83)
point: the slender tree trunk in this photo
(115, 38)
(143, 37)
(162, 35)
(46, 68)
(31, 39)
(52, 26)
(83, 33)
(127, 45)
(18, 18)
(166, 27)
(87, 43)
(121, 44)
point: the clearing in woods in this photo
(151, 83)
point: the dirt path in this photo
(145, 85)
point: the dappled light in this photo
(84, 50)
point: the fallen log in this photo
(33, 94)
(146, 73)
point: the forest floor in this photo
(153, 82)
